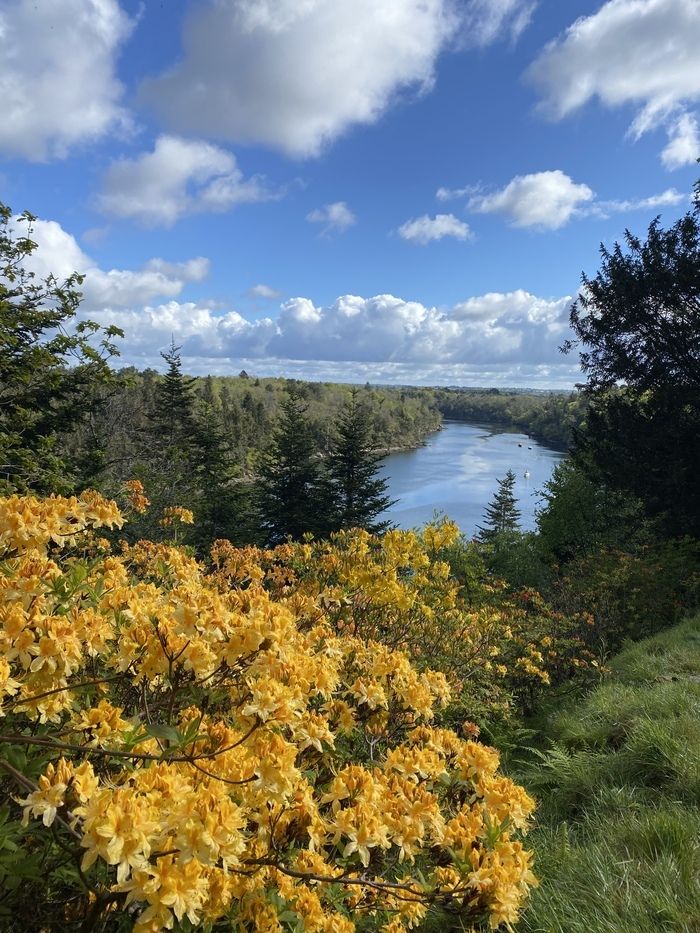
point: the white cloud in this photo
(642, 53)
(179, 177)
(424, 229)
(546, 200)
(59, 254)
(498, 338)
(668, 198)
(264, 292)
(453, 194)
(296, 74)
(683, 142)
(487, 20)
(57, 74)
(334, 218)
(512, 329)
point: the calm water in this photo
(457, 472)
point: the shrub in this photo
(192, 747)
(498, 649)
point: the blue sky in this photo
(394, 190)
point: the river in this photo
(457, 471)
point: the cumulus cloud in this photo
(424, 229)
(333, 218)
(511, 329)
(546, 200)
(57, 74)
(505, 338)
(683, 142)
(487, 20)
(642, 53)
(250, 70)
(179, 177)
(59, 254)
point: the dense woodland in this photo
(235, 699)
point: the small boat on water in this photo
(526, 474)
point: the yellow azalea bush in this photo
(497, 649)
(235, 748)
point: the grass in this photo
(618, 838)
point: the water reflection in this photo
(457, 473)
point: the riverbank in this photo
(456, 472)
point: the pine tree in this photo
(173, 415)
(502, 514)
(289, 486)
(357, 493)
(168, 447)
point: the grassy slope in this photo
(618, 840)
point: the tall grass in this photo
(618, 837)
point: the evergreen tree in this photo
(502, 514)
(51, 374)
(173, 415)
(637, 325)
(168, 447)
(221, 504)
(357, 494)
(289, 489)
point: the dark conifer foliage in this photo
(220, 503)
(502, 514)
(637, 324)
(289, 486)
(52, 372)
(173, 413)
(357, 494)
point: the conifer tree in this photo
(357, 494)
(173, 415)
(168, 447)
(502, 514)
(220, 503)
(52, 375)
(289, 489)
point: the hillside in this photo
(617, 846)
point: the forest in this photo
(233, 697)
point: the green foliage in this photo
(500, 534)
(357, 495)
(502, 515)
(551, 417)
(630, 595)
(637, 324)
(290, 497)
(580, 516)
(51, 372)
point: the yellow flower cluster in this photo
(222, 748)
(399, 589)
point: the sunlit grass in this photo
(618, 837)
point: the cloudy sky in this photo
(393, 190)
